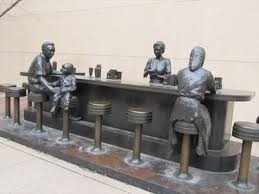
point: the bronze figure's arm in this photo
(147, 68)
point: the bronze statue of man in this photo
(158, 68)
(193, 82)
(41, 69)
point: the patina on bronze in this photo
(138, 116)
(158, 68)
(248, 132)
(193, 82)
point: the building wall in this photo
(120, 34)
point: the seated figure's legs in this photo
(66, 100)
(57, 96)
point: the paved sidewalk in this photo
(27, 171)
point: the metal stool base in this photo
(38, 131)
(241, 185)
(96, 150)
(16, 125)
(136, 161)
(186, 176)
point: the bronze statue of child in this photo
(66, 84)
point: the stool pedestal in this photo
(38, 100)
(16, 93)
(183, 173)
(98, 134)
(99, 109)
(138, 116)
(242, 180)
(137, 145)
(248, 132)
(186, 129)
(66, 126)
(4, 88)
(38, 128)
(7, 107)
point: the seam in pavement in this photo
(63, 167)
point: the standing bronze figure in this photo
(41, 69)
(158, 68)
(193, 82)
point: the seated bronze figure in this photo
(41, 69)
(158, 68)
(193, 82)
(64, 86)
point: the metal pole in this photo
(185, 154)
(17, 110)
(7, 107)
(244, 161)
(29, 103)
(38, 106)
(98, 132)
(137, 142)
(65, 125)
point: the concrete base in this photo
(156, 175)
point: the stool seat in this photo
(184, 127)
(37, 97)
(16, 92)
(4, 87)
(246, 131)
(99, 107)
(139, 115)
(26, 85)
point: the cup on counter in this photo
(119, 73)
(218, 82)
(91, 71)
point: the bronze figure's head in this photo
(197, 58)
(159, 49)
(67, 69)
(48, 49)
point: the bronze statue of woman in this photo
(158, 68)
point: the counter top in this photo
(221, 95)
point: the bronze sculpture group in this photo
(193, 82)
(188, 111)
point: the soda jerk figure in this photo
(64, 86)
(193, 82)
(158, 68)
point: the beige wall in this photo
(120, 33)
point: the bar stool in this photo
(99, 109)
(248, 132)
(27, 87)
(187, 129)
(66, 120)
(138, 116)
(16, 93)
(3, 88)
(38, 99)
